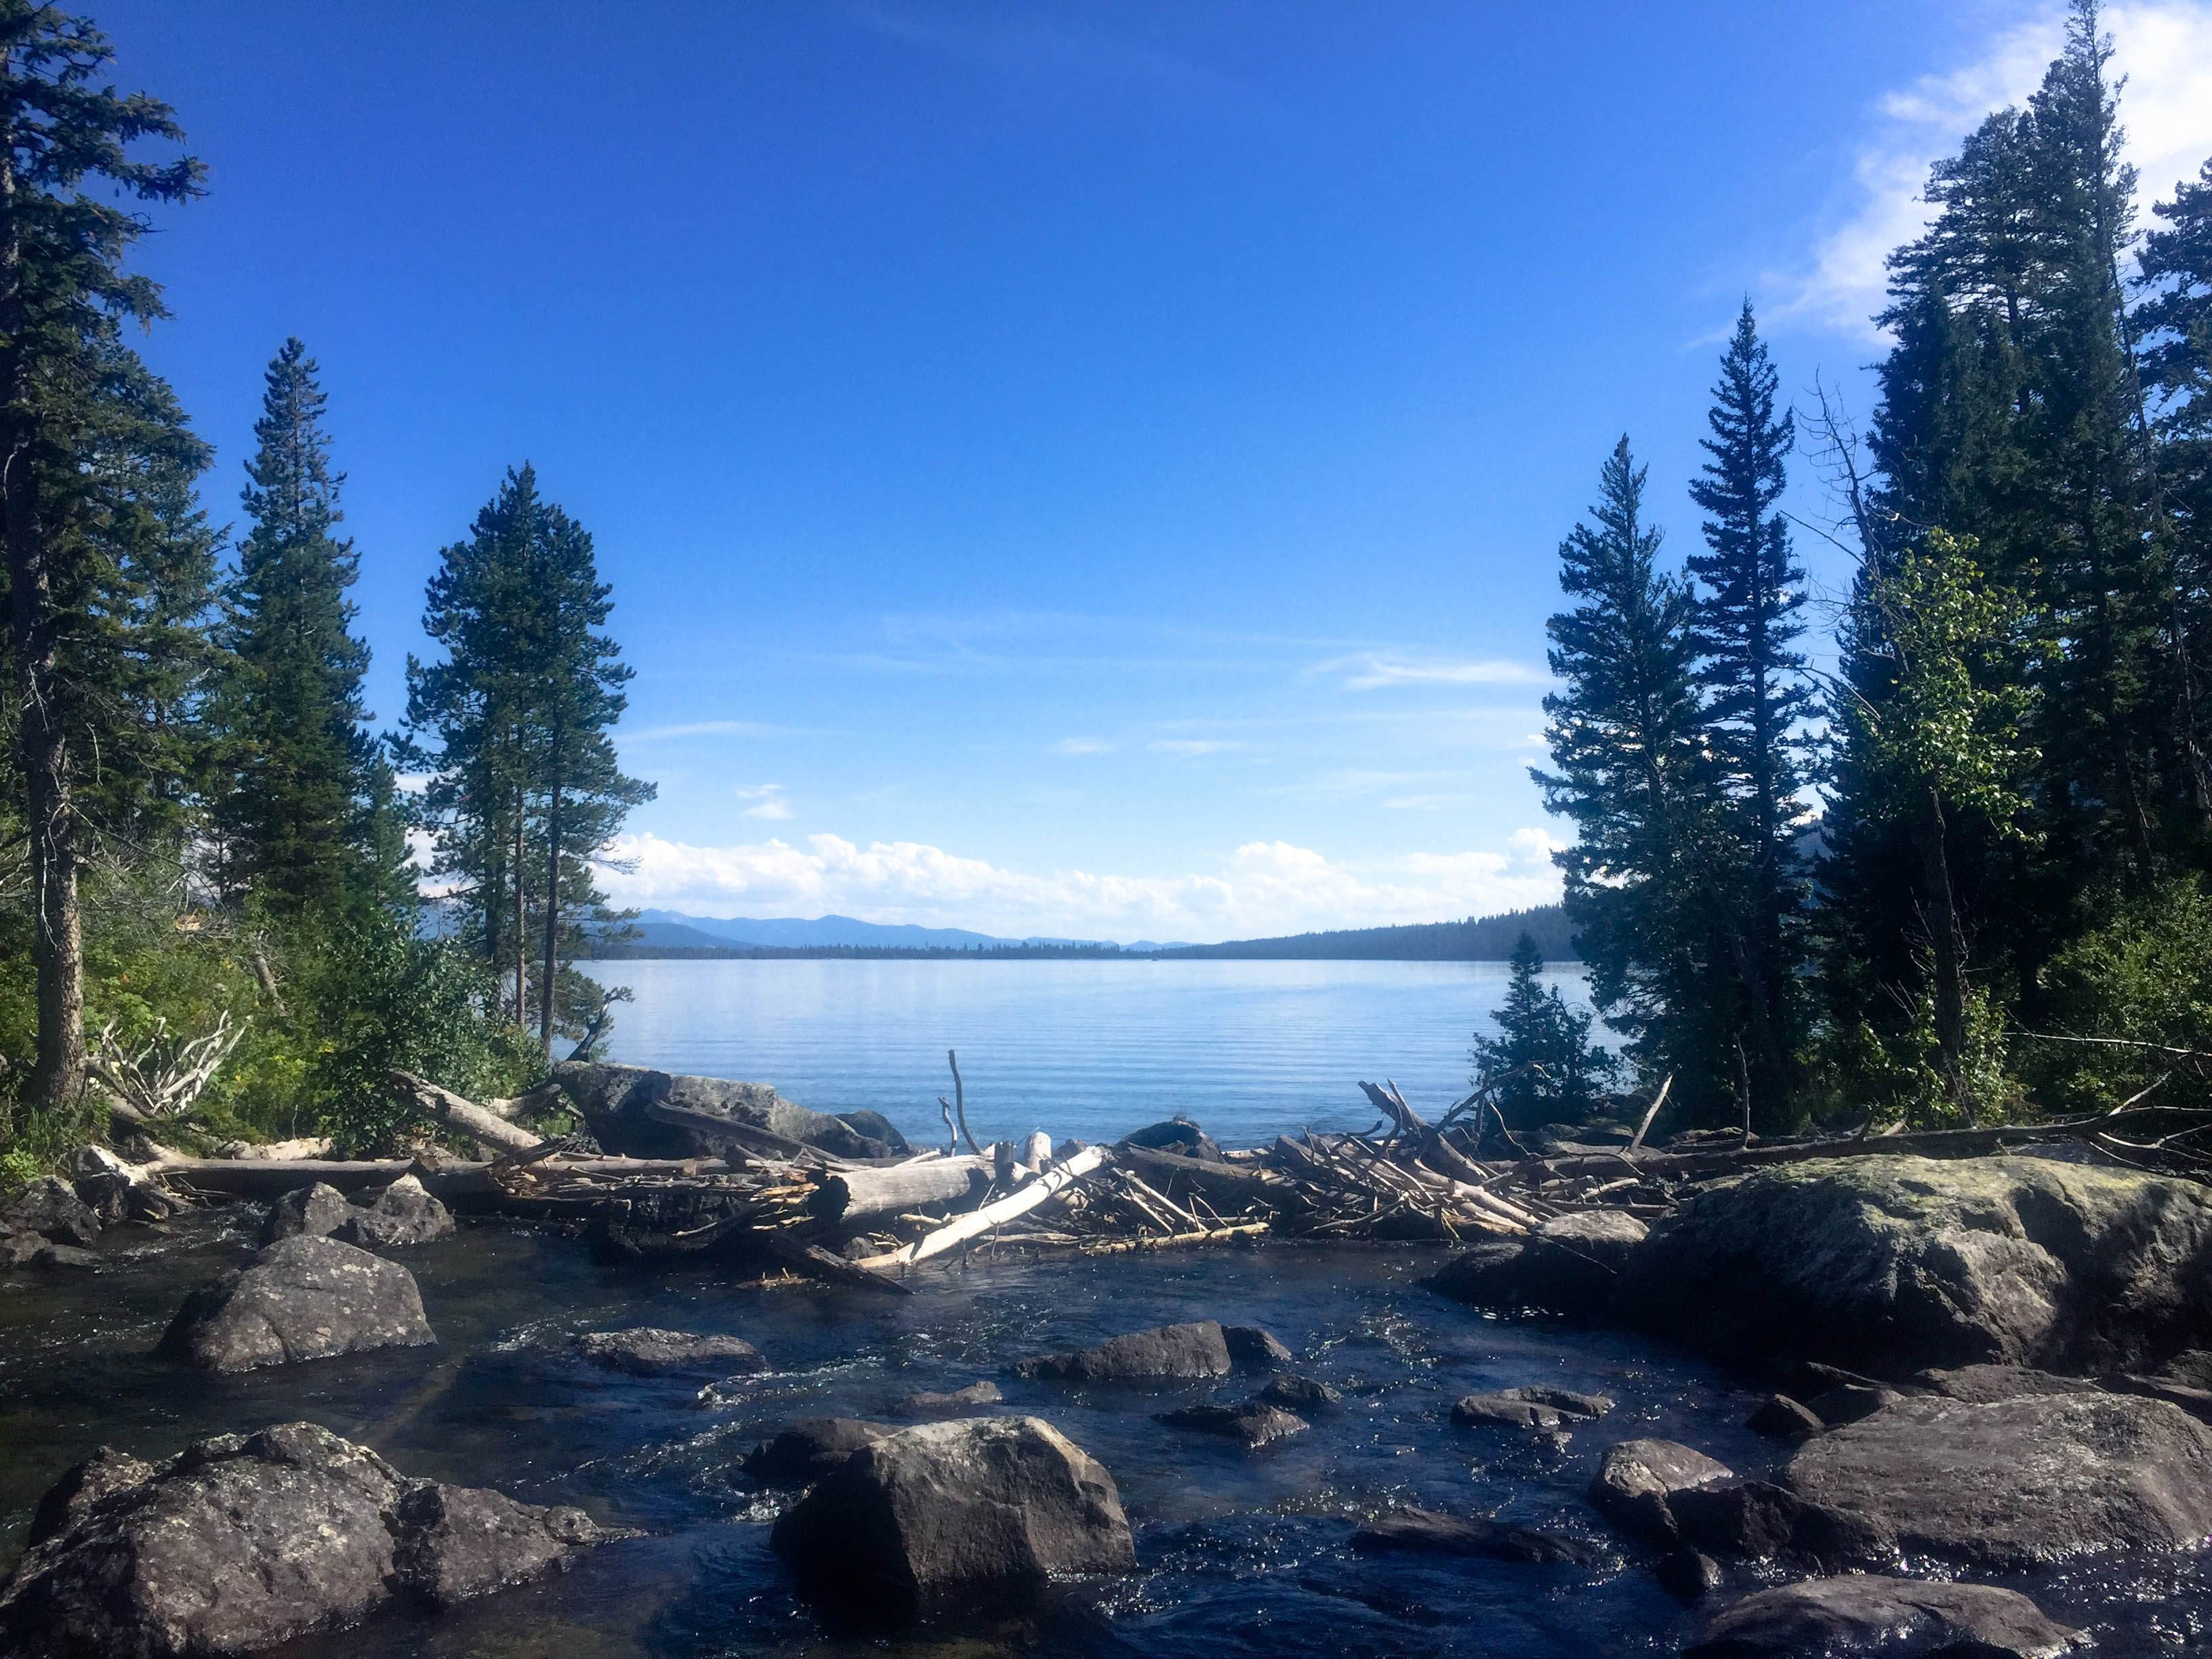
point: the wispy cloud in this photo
(1260, 888)
(1083, 746)
(711, 729)
(2164, 47)
(770, 804)
(1189, 746)
(1370, 670)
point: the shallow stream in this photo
(1240, 1552)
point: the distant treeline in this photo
(1479, 938)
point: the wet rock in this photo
(1255, 1422)
(70, 1498)
(974, 1396)
(1569, 1265)
(318, 1210)
(1248, 1345)
(647, 1351)
(1637, 1479)
(65, 1258)
(244, 1541)
(1759, 1519)
(810, 1448)
(1803, 1379)
(1827, 1617)
(2192, 1369)
(302, 1299)
(51, 1208)
(16, 1250)
(1980, 1385)
(1688, 1574)
(1300, 1394)
(1530, 1407)
(1179, 1135)
(2197, 1402)
(1895, 1263)
(117, 1191)
(405, 1213)
(2016, 1483)
(1781, 1418)
(1850, 1402)
(948, 1516)
(1427, 1531)
(1170, 1351)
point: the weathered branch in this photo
(991, 1215)
(425, 1097)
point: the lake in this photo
(1091, 1048)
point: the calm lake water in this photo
(1088, 1048)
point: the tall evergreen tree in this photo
(1650, 881)
(63, 293)
(296, 820)
(1752, 676)
(1548, 1070)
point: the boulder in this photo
(65, 1257)
(1427, 1531)
(1248, 1345)
(616, 1103)
(244, 1541)
(1255, 1422)
(1688, 1574)
(2016, 1483)
(646, 1352)
(318, 1210)
(948, 1516)
(973, 1396)
(302, 1299)
(810, 1448)
(1637, 1479)
(405, 1213)
(1977, 1385)
(1170, 1351)
(1531, 1406)
(1759, 1519)
(1781, 1418)
(1300, 1394)
(51, 1208)
(1892, 1264)
(1826, 1618)
(1179, 1135)
(1569, 1266)
(1850, 1402)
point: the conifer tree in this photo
(296, 818)
(1550, 1069)
(63, 292)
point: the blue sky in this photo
(1076, 469)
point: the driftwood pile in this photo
(866, 1221)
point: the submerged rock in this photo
(1300, 1394)
(1170, 1351)
(1688, 1574)
(301, 1299)
(1896, 1263)
(950, 1516)
(973, 1396)
(1757, 1518)
(318, 1210)
(1255, 1422)
(1828, 1617)
(2016, 1483)
(1248, 1345)
(1531, 1406)
(405, 1213)
(1570, 1265)
(1452, 1534)
(244, 1541)
(1637, 1479)
(810, 1448)
(647, 1351)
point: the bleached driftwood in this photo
(853, 1195)
(975, 1222)
(422, 1096)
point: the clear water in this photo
(1087, 1048)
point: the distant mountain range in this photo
(1485, 939)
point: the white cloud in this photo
(772, 804)
(1372, 671)
(1191, 746)
(2164, 48)
(1260, 889)
(710, 729)
(1083, 746)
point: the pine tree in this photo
(62, 295)
(1651, 889)
(1548, 1070)
(1752, 678)
(297, 820)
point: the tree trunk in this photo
(552, 909)
(521, 919)
(854, 1195)
(1949, 942)
(57, 943)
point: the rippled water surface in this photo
(1241, 1552)
(1089, 1048)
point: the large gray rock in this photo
(616, 1102)
(1894, 1618)
(1170, 1351)
(2016, 1483)
(1891, 1264)
(50, 1208)
(810, 1448)
(302, 1299)
(1980, 1385)
(1636, 1478)
(647, 1351)
(319, 1210)
(1571, 1264)
(405, 1213)
(244, 1541)
(954, 1515)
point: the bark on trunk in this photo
(1948, 941)
(521, 939)
(852, 1195)
(552, 910)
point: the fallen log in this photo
(426, 1098)
(815, 1262)
(273, 1177)
(1229, 1183)
(1126, 1246)
(991, 1215)
(854, 1194)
